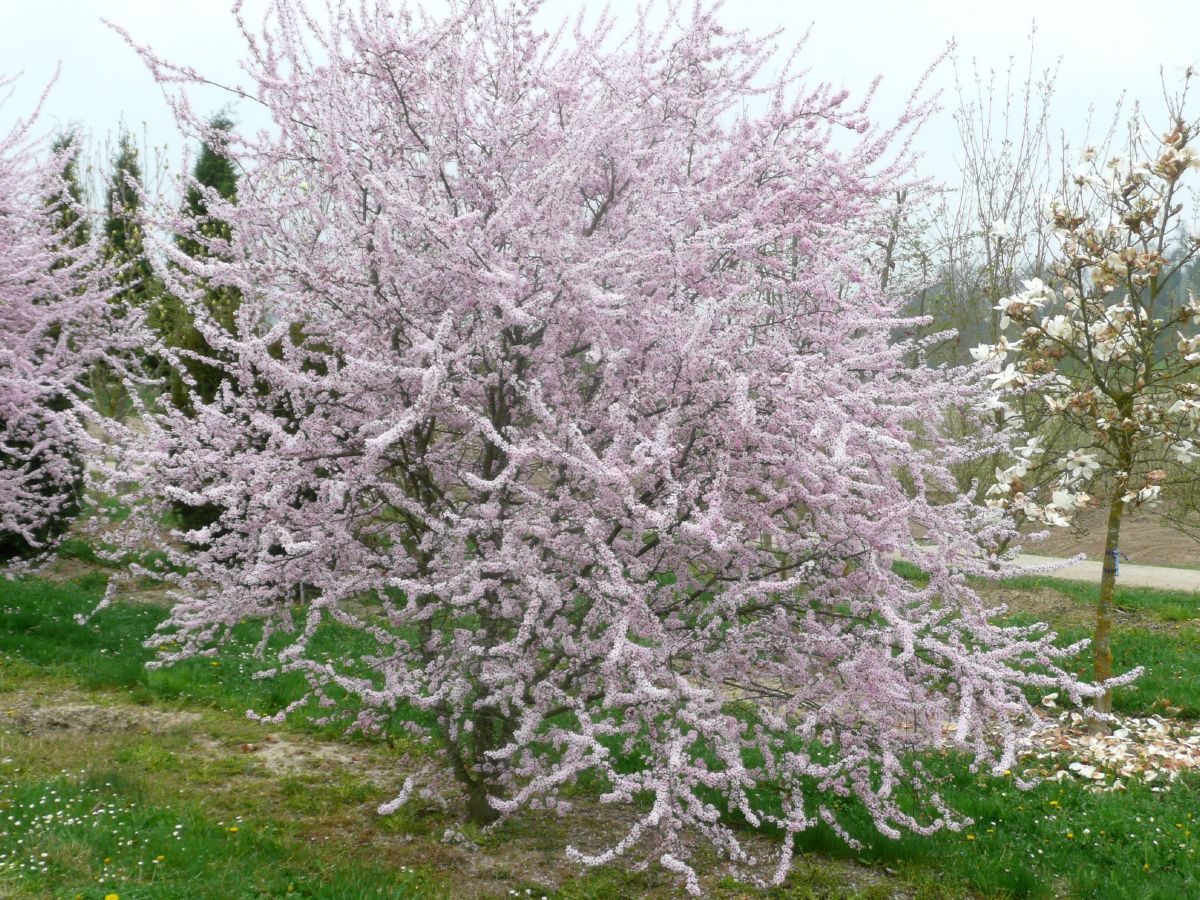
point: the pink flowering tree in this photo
(51, 330)
(562, 376)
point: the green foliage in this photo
(124, 252)
(74, 228)
(171, 318)
(50, 484)
(124, 245)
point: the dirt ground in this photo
(1145, 539)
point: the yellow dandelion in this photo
(970, 837)
(233, 829)
(112, 897)
(1070, 836)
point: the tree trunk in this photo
(1102, 656)
(479, 811)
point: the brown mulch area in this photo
(1145, 538)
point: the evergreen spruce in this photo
(172, 319)
(124, 256)
(124, 247)
(75, 230)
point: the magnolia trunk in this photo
(1102, 654)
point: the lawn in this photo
(115, 779)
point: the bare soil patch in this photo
(67, 718)
(1145, 538)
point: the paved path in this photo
(1129, 575)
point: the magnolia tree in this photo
(979, 237)
(560, 377)
(1105, 347)
(51, 329)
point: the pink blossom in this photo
(52, 329)
(562, 376)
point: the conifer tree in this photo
(192, 359)
(67, 201)
(214, 171)
(124, 247)
(125, 259)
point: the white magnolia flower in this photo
(1008, 377)
(1052, 516)
(1064, 500)
(1185, 452)
(1185, 407)
(1080, 465)
(993, 403)
(1059, 327)
(1148, 494)
(988, 352)
(1187, 157)
(1032, 448)
(1011, 474)
(1000, 229)
(1054, 404)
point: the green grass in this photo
(91, 835)
(1170, 655)
(38, 626)
(1057, 840)
(1170, 682)
(1164, 606)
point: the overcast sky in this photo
(1106, 47)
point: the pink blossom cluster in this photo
(563, 377)
(52, 329)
